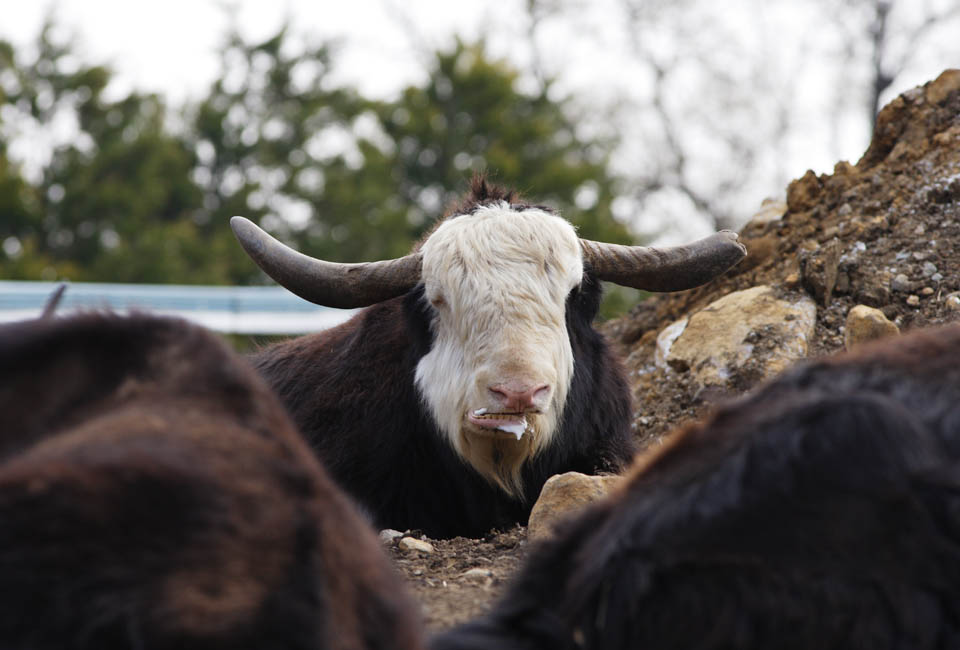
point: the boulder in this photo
(564, 494)
(758, 329)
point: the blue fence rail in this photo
(236, 310)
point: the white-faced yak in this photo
(475, 373)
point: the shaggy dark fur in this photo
(351, 392)
(821, 512)
(154, 494)
(483, 193)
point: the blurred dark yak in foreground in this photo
(822, 511)
(154, 494)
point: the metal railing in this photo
(235, 310)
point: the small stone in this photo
(901, 283)
(792, 280)
(936, 277)
(866, 324)
(952, 300)
(414, 544)
(845, 210)
(913, 300)
(478, 574)
(929, 269)
(818, 270)
(926, 291)
(389, 535)
(919, 230)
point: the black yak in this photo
(476, 373)
(822, 511)
(154, 494)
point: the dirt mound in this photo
(883, 233)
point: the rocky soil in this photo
(881, 236)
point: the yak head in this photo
(495, 275)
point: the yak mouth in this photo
(507, 425)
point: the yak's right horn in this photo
(664, 269)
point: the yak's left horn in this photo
(664, 269)
(330, 284)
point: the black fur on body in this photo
(822, 511)
(351, 392)
(154, 494)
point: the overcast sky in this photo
(170, 46)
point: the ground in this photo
(884, 232)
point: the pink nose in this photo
(518, 399)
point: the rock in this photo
(952, 300)
(666, 339)
(389, 535)
(913, 300)
(929, 269)
(866, 324)
(818, 269)
(901, 283)
(478, 575)
(802, 194)
(414, 544)
(563, 495)
(753, 327)
(940, 88)
(770, 210)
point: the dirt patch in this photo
(884, 233)
(460, 578)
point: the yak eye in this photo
(437, 301)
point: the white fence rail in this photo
(235, 310)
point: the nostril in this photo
(520, 398)
(540, 394)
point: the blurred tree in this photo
(126, 198)
(470, 116)
(113, 200)
(279, 143)
(347, 179)
(883, 38)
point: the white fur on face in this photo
(498, 280)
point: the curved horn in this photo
(664, 269)
(327, 283)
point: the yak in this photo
(474, 373)
(155, 494)
(821, 511)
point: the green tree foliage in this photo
(115, 200)
(130, 198)
(470, 116)
(280, 144)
